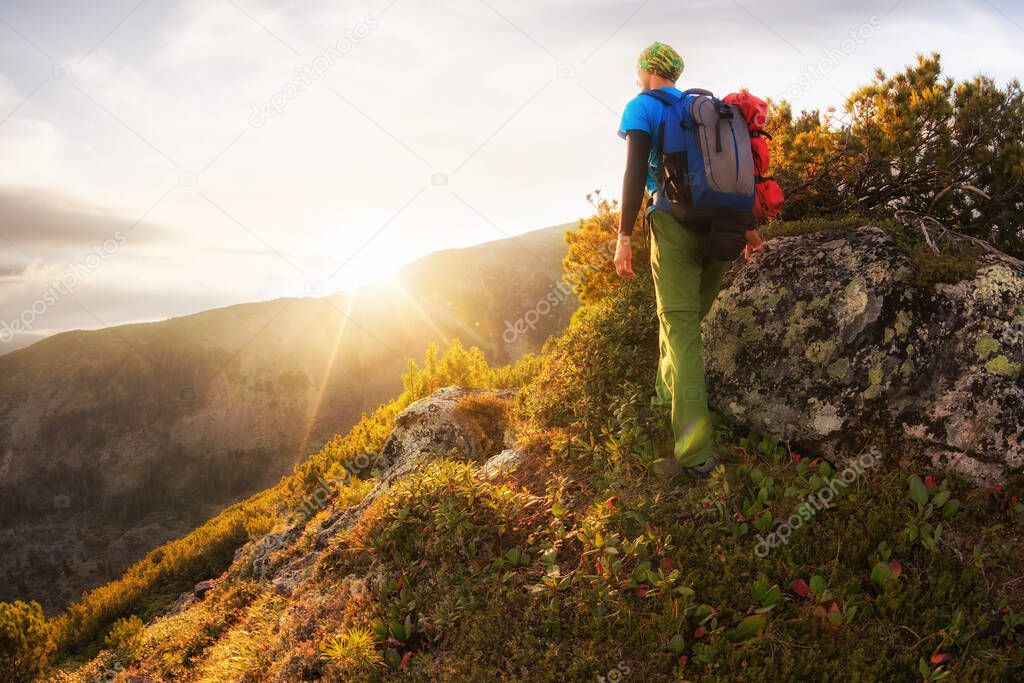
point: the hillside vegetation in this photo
(580, 564)
(115, 441)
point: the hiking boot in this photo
(703, 470)
(667, 468)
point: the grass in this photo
(957, 261)
(587, 566)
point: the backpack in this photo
(711, 168)
(706, 169)
(768, 195)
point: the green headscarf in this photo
(661, 59)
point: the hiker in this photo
(690, 251)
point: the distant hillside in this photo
(113, 441)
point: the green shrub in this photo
(123, 633)
(25, 641)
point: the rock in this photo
(506, 461)
(825, 342)
(184, 601)
(189, 598)
(430, 427)
(203, 587)
(427, 429)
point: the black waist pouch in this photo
(727, 239)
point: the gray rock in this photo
(427, 429)
(189, 598)
(506, 461)
(825, 342)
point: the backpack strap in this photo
(665, 98)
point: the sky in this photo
(162, 157)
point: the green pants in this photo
(686, 282)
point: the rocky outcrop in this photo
(429, 428)
(824, 341)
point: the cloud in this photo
(39, 217)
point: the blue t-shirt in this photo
(644, 113)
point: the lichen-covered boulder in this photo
(824, 340)
(433, 426)
(444, 423)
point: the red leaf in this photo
(896, 568)
(405, 659)
(666, 564)
(1013, 500)
(642, 590)
(597, 567)
(815, 462)
(611, 502)
(801, 588)
(834, 607)
(929, 481)
(998, 488)
(941, 657)
(796, 457)
(683, 659)
(698, 632)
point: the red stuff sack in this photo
(769, 199)
(759, 148)
(754, 109)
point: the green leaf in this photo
(918, 491)
(950, 508)
(749, 628)
(881, 574)
(940, 498)
(392, 658)
(818, 584)
(677, 645)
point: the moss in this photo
(985, 346)
(957, 261)
(839, 368)
(872, 392)
(902, 324)
(1001, 365)
(875, 374)
(820, 352)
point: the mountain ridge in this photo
(108, 426)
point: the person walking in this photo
(687, 272)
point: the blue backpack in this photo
(706, 166)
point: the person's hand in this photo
(754, 243)
(624, 258)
